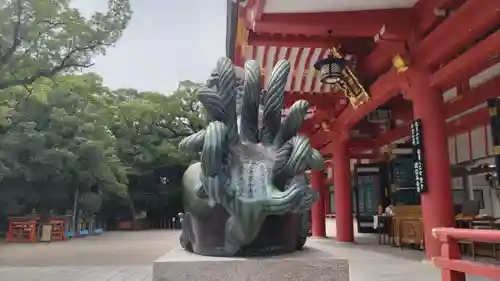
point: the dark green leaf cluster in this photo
(71, 132)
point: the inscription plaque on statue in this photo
(418, 156)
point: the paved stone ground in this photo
(113, 256)
(128, 256)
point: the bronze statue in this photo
(248, 195)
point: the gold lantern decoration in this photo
(335, 72)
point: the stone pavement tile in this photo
(114, 248)
(76, 273)
(383, 263)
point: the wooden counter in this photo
(407, 226)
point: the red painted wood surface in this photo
(318, 208)
(450, 263)
(345, 24)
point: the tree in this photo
(63, 136)
(43, 38)
(148, 128)
(58, 142)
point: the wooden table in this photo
(385, 230)
(478, 222)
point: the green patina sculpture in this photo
(248, 194)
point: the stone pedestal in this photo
(309, 264)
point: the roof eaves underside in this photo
(318, 6)
(303, 78)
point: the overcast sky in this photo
(167, 41)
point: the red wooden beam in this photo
(470, 120)
(489, 271)
(254, 11)
(443, 234)
(467, 24)
(474, 97)
(476, 59)
(464, 123)
(393, 135)
(351, 45)
(362, 144)
(379, 60)
(386, 87)
(358, 155)
(450, 263)
(343, 24)
(471, 99)
(475, 16)
(355, 145)
(258, 9)
(427, 13)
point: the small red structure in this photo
(58, 229)
(453, 268)
(22, 229)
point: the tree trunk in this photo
(75, 207)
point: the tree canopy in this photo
(63, 131)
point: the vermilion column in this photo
(318, 208)
(437, 203)
(343, 192)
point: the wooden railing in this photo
(453, 268)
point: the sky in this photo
(167, 41)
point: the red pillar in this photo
(437, 202)
(318, 208)
(343, 192)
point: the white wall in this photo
(491, 201)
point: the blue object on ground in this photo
(84, 232)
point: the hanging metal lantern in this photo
(330, 69)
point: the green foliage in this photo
(40, 38)
(64, 133)
(71, 132)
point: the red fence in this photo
(453, 268)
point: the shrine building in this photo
(403, 106)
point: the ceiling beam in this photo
(366, 23)
(468, 121)
(471, 99)
(432, 51)
(379, 60)
(430, 13)
(324, 142)
(348, 45)
(461, 29)
(290, 41)
(462, 124)
(254, 11)
(483, 55)
(466, 65)
(386, 87)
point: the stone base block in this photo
(309, 264)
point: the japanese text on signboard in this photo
(418, 152)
